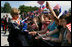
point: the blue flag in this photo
(24, 27)
(60, 10)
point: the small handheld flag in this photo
(43, 7)
(69, 26)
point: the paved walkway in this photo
(4, 41)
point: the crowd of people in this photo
(39, 29)
(4, 23)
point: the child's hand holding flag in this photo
(47, 5)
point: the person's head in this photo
(3, 16)
(35, 19)
(46, 17)
(32, 13)
(15, 13)
(68, 19)
(28, 12)
(51, 16)
(63, 21)
(60, 20)
(23, 13)
(6, 15)
(68, 14)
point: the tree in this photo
(21, 8)
(2, 10)
(7, 7)
(26, 9)
(70, 10)
(35, 8)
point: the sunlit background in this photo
(64, 4)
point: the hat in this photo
(15, 11)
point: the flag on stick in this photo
(43, 7)
(69, 26)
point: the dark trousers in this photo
(5, 28)
(23, 40)
(15, 43)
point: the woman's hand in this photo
(27, 17)
(33, 33)
(37, 37)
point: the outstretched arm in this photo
(43, 31)
(48, 7)
(53, 32)
(49, 33)
(42, 18)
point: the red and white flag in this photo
(43, 7)
(69, 26)
(41, 2)
(57, 7)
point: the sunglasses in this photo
(16, 13)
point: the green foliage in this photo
(7, 7)
(22, 8)
(2, 10)
(70, 10)
(26, 9)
